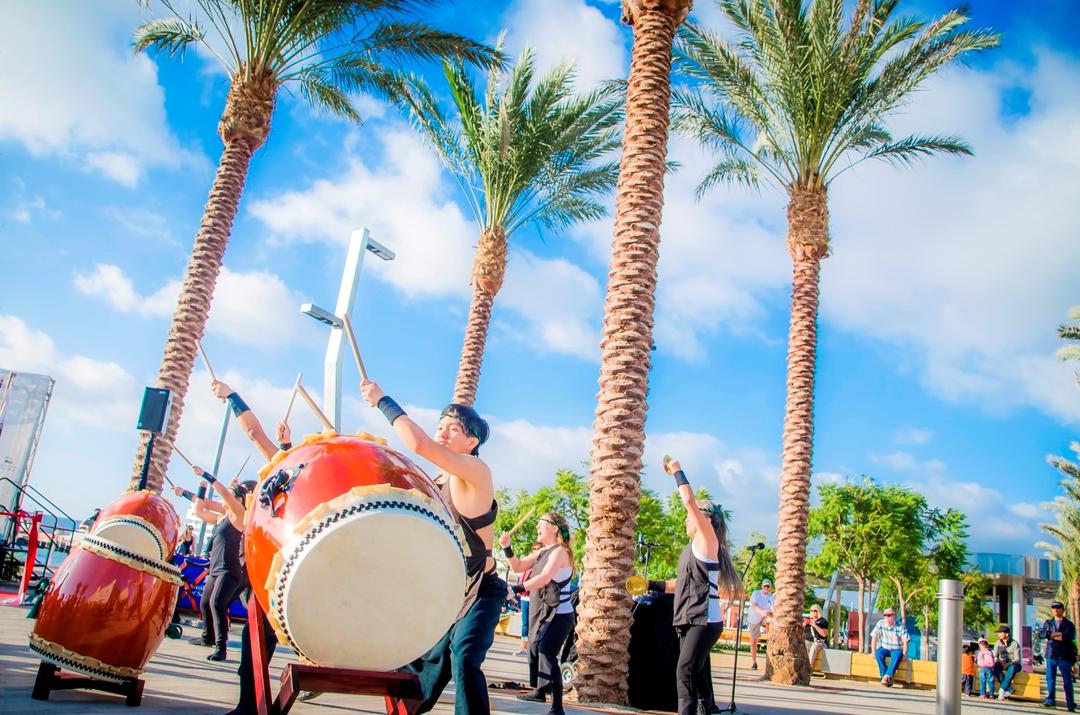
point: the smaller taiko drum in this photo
(141, 522)
(353, 553)
(106, 611)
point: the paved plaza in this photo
(180, 680)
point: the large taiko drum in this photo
(142, 522)
(106, 611)
(353, 554)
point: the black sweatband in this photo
(209, 477)
(659, 586)
(518, 588)
(190, 496)
(239, 407)
(509, 551)
(390, 409)
(680, 478)
(285, 446)
(202, 492)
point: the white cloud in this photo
(911, 435)
(400, 202)
(898, 461)
(254, 308)
(559, 30)
(81, 93)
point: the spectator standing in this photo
(967, 670)
(761, 605)
(1006, 661)
(816, 633)
(187, 542)
(1060, 634)
(985, 660)
(889, 639)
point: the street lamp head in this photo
(323, 316)
(380, 250)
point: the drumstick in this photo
(206, 360)
(182, 455)
(314, 408)
(292, 397)
(521, 521)
(354, 346)
(242, 467)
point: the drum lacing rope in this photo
(162, 569)
(278, 601)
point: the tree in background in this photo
(1066, 530)
(797, 97)
(331, 52)
(865, 526)
(763, 567)
(524, 153)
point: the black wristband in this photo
(680, 478)
(390, 409)
(285, 446)
(239, 407)
(209, 477)
(518, 589)
(190, 496)
(202, 492)
(509, 551)
(659, 586)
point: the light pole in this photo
(359, 243)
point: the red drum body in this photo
(141, 522)
(106, 611)
(353, 553)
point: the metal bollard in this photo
(950, 599)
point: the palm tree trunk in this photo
(603, 632)
(1074, 600)
(244, 125)
(808, 236)
(489, 269)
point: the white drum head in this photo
(371, 587)
(134, 534)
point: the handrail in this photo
(22, 490)
(48, 501)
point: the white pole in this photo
(950, 600)
(350, 277)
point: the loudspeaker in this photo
(654, 653)
(155, 409)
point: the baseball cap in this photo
(766, 582)
(983, 640)
(889, 612)
(1003, 629)
(1057, 604)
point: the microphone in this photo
(757, 547)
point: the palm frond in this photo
(906, 151)
(321, 92)
(735, 172)
(169, 35)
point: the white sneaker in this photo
(520, 652)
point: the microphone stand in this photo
(738, 642)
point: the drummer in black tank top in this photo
(705, 570)
(467, 484)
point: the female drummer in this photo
(466, 484)
(551, 615)
(705, 568)
(226, 577)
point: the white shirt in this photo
(761, 600)
(714, 588)
(562, 575)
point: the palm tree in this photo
(329, 51)
(1066, 531)
(603, 633)
(799, 97)
(523, 153)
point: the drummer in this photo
(467, 485)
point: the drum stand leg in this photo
(49, 678)
(400, 691)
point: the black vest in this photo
(544, 601)
(693, 590)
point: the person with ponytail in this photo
(551, 615)
(705, 569)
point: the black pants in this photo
(246, 671)
(460, 653)
(544, 651)
(218, 594)
(693, 673)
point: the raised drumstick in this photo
(292, 398)
(206, 361)
(314, 407)
(182, 455)
(521, 521)
(354, 346)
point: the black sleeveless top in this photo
(545, 601)
(225, 551)
(694, 589)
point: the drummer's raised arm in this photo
(462, 465)
(246, 418)
(234, 510)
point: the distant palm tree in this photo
(330, 50)
(603, 631)
(1066, 531)
(797, 98)
(525, 152)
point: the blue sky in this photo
(939, 303)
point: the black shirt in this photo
(694, 589)
(811, 634)
(225, 550)
(1064, 649)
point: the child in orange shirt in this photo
(967, 669)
